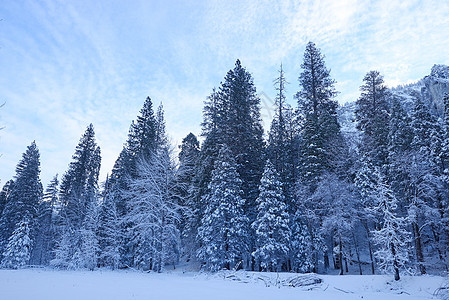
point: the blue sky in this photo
(65, 64)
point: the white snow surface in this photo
(52, 284)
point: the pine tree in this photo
(141, 144)
(320, 137)
(188, 160)
(5, 194)
(272, 223)
(300, 245)
(372, 117)
(79, 200)
(365, 182)
(223, 231)
(232, 117)
(45, 237)
(320, 141)
(282, 142)
(411, 174)
(17, 251)
(25, 196)
(110, 234)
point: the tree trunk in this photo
(369, 246)
(395, 263)
(340, 255)
(418, 248)
(357, 253)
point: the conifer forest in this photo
(364, 186)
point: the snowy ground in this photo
(67, 285)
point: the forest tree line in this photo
(300, 200)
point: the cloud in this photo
(68, 64)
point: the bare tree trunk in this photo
(418, 248)
(369, 246)
(340, 254)
(357, 253)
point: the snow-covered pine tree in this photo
(392, 237)
(366, 187)
(223, 231)
(272, 223)
(372, 117)
(412, 175)
(44, 242)
(300, 245)
(317, 110)
(5, 194)
(320, 139)
(140, 145)
(232, 117)
(281, 149)
(24, 198)
(154, 211)
(205, 163)
(18, 249)
(188, 160)
(79, 199)
(110, 234)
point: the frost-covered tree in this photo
(337, 200)
(24, 199)
(5, 194)
(392, 236)
(79, 201)
(300, 245)
(18, 249)
(317, 111)
(155, 213)
(45, 238)
(224, 226)
(188, 160)
(272, 223)
(282, 142)
(232, 117)
(372, 117)
(110, 233)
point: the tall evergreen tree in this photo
(5, 193)
(45, 237)
(223, 231)
(79, 200)
(142, 142)
(318, 111)
(232, 117)
(18, 249)
(24, 198)
(110, 234)
(372, 117)
(282, 141)
(188, 160)
(320, 140)
(272, 223)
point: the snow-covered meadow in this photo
(52, 284)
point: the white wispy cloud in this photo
(66, 64)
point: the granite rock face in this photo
(431, 89)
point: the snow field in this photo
(52, 284)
